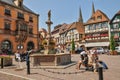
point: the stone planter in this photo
(6, 61)
(73, 52)
(113, 53)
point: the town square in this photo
(59, 40)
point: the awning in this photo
(96, 44)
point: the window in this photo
(30, 30)
(23, 27)
(31, 19)
(90, 26)
(98, 26)
(104, 25)
(99, 17)
(86, 28)
(92, 18)
(93, 27)
(7, 12)
(116, 35)
(7, 26)
(115, 26)
(20, 15)
(80, 35)
(6, 45)
(20, 4)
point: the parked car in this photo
(100, 50)
(117, 49)
(78, 51)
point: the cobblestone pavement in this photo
(69, 73)
(8, 77)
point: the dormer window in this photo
(18, 3)
(92, 18)
(7, 12)
(99, 17)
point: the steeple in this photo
(93, 9)
(80, 16)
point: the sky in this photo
(67, 11)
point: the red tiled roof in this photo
(78, 25)
(43, 30)
(64, 28)
(94, 17)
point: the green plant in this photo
(73, 45)
(112, 43)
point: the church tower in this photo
(80, 16)
(93, 9)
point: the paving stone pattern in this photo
(70, 73)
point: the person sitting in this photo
(95, 59)
(83, 60)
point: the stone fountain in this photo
(49, 49)
(50, 58)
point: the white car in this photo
(100, 50)
(117, 49)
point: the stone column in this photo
(49, 22)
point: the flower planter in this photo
(113, 53)
(7, 61)
(73, 52)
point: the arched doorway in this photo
(6, 47)
(30, 45)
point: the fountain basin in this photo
(50, 59)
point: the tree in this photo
(112, 46)
(112, 43)
(73, 45)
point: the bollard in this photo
(100, 72)
(28, 64)
(28, 67)
(2, 65)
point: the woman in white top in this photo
(17, 56)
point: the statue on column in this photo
(49, 14)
